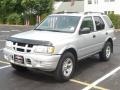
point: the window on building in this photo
(89, 1)
(109, 0)
(111, 12)
(112, 0)
(105, 12)
(99, 23)
(96, 1)
(106, 0)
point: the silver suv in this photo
(60, 41)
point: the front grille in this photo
(20, 50)
(22, 47)
(22, 44)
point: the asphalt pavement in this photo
(91, 74)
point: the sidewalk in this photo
(117, 30)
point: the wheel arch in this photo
(73, 51)
(111, 41)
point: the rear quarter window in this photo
(108, 21)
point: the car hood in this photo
(43, 36)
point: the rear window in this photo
(108, 21)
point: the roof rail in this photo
(94, 12)
(62, 12)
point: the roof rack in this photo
(62, 12)
(94, 12)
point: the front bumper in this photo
(38, 61)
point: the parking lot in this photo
(91, 74)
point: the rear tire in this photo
(19, 68)
(66, 67)
(106, 52)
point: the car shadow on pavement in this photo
(36, 75)
(87, 63)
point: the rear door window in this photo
(99, 23)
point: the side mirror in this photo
(85, 30)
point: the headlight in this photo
(8, 44)
(44, 49)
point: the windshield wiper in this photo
(47, 30)
(38, 29)
(52, 30)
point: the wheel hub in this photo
(67, 67)
(108, 51)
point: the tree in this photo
(42, 7)
(37, 7)
(24, 8)
(14, 19)
(8, 7)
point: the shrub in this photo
(116, 20)
(14, 19)
(1, 21)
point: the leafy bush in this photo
(1, 21)
(115, 19)
(14, 19)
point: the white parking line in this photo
(102, 79)
(15, 30)
(4, 31)
(4, 62)
(5, 67)
(87, 84)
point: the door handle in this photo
(94, 36)
(106, 33)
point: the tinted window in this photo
(87, 23)
(108, 21)
(99, 23)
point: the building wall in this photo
(66, 6)
(111, 6)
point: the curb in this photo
(117, 30)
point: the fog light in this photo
(28, 61)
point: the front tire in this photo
(106, 52)
(66, 67)
(19, 68)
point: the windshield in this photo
(59, 24)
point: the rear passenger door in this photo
(100, 33)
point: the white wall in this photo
(57, 5)
(102, 6)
